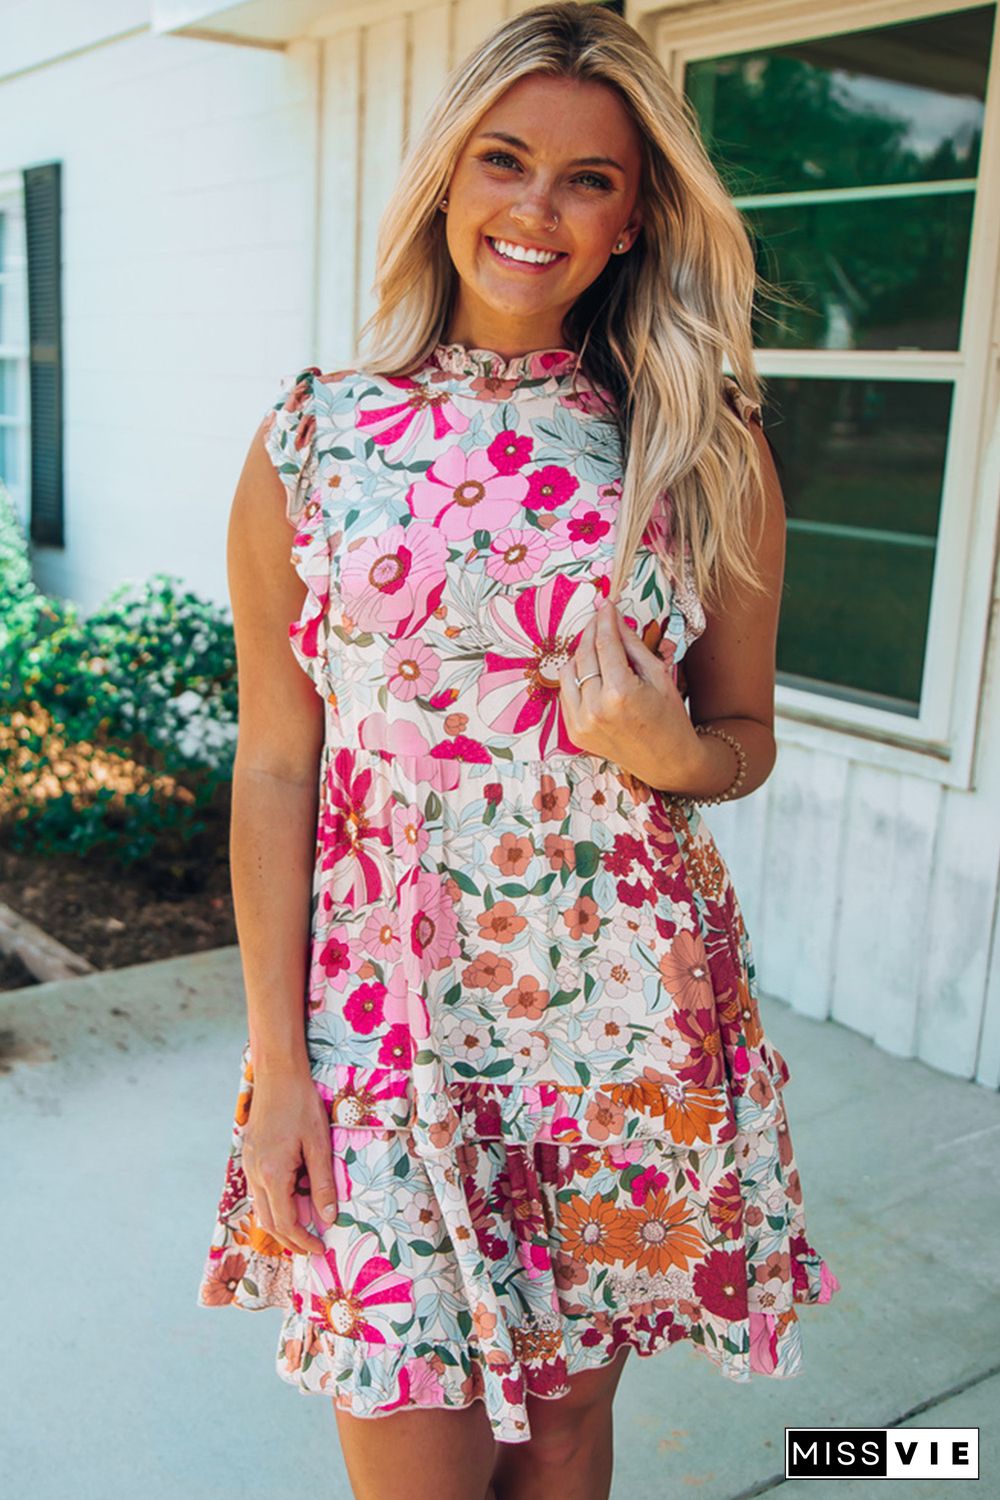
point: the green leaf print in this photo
(463, 882)
(582, 1070)
(587, 858)
(419, 1247)
(432, 807)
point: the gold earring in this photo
(620, 245)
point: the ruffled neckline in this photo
(487, 364)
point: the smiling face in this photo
(553, 166)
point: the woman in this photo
(513, 1110)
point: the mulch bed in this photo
(114, 916)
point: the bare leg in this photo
(422, 1454)
(570, 1453)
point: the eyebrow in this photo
(581, 161)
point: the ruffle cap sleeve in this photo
(290, 440)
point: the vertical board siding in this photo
(888, 851)
(798, 918)
(383, 112)
(339, 150)
(430, 61)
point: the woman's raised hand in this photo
(630, 710)
(288, 1125)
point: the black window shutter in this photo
(42, 217)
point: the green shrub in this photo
(117, 729)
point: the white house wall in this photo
(188, 175)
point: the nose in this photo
(534, 210)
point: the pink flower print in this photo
(409, 836)
(585, 400)
(353, 833)
(550, 487)
(463, 750)
(510, 451)
(403, 738)
(396, 1049)
(463, 493)
(583, 528)
(380, 935)
(334, 959)
(363, 1009)
(429, 921)
(356, 1284)
(402, 426)
(393, 583)
(544, 624)
(517, 555)
(411, 669)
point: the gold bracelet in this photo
(741, 755)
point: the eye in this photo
(601, 183)
(494, 156)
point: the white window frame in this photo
(12, 197)
(938, 744)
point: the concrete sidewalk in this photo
(116, 1092)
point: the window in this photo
(855, 158)
(13, 346)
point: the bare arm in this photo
(730, 668)
(276, 768)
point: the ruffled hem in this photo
(373, 1380)
(748, 1326)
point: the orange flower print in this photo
(551, 801)
(684, 969)
(593, 1229)
(526, 999)
(583, 917)
(500, 924)
(513, 854)
(488, 971)
(689, 1114)
(560, 852)
(604, 1118)
(483, 1322)
(663, 1234)
(223, 1278)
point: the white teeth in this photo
(518, 252)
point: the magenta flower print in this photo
(462, 493)
(353, 833)
(364, 1007)
(411, 669)
(516, 555)
(510, 451)
(423, 415)
(550, 487)
(396, 1047)
(582, 529)
(544, 625)
(393, 583)
(354, 1287)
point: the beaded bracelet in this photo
(740, 777)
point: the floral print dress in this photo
(556, 1124)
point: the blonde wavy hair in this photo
(657, 324)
